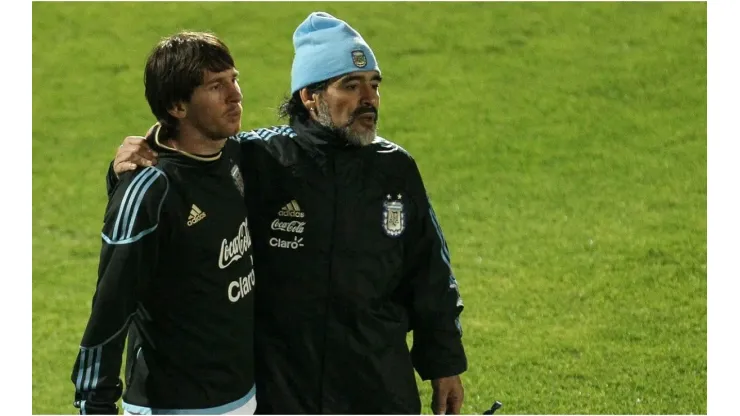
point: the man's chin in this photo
(236, 127)
(362, 137)
(232, 130)
(362, 129)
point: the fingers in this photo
(439, 402)
(119, 168)
(132, 153)
(447, 395)
(140, 160)
(139, 145)
(129, 161)
(456, 396)
(135, 150)
(134, 140)
(454, 403)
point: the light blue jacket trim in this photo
(218, 410)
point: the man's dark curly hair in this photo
(292, 107)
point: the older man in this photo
(349, 253)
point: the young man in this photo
(176, 263)
(350, 252)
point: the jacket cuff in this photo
(436, 354)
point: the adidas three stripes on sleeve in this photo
(126, 262)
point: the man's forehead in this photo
(209, 75)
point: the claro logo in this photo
(239, 289)
(280, 243)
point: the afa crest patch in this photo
(359, 58)
(394, 220)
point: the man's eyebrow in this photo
(219, 79)
(360, 78)
(351, 78)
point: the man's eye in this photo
(216, 87)
(351, 87)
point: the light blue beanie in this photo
(326, 47)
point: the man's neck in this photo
(192, 141)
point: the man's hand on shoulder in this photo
(133, 152)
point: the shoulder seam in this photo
(265, 133)
(131, 203)
(390, 147)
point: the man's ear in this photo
(309, 101)
(178, 110)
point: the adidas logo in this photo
(291, 210)
(195, 215)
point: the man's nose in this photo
(235, 94)
(369, 96)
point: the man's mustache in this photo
(363, 110)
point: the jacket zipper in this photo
(332, 237)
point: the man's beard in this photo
(346, 132)
(216, 133)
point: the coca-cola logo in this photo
(288, 226)
(235, 249)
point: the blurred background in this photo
(563, 146)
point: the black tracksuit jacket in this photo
(349, 257)
(176, 276)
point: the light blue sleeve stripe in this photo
(445, 253)
(288, 131)
(81, 369)
(445, 249)
(125, 201)
(241, 136)
(120, 208)
(132, 239)
(139, 236)
(130, 202)
(138, 202)
(83, 411)
(88, 370)
(264, 133)
(97, 368)
(249, 135)
(446, 258)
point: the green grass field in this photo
(563, 144)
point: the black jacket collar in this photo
(314, 134)
(319, 141)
